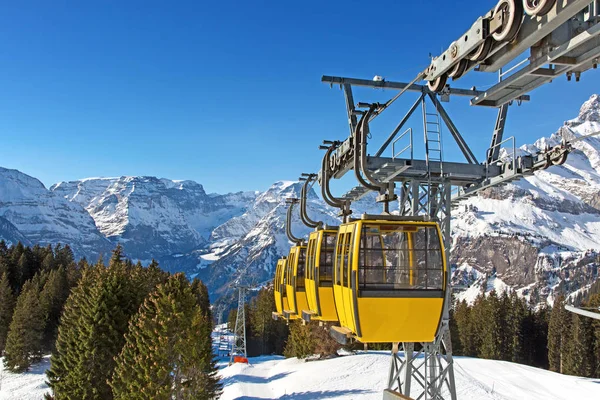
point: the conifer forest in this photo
(115, 329)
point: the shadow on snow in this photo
(323, 394)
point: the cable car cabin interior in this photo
(281, 302)
(389, 280)
(319, 276)
(295, 288)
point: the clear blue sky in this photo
(226, 93)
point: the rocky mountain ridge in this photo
(538, 236)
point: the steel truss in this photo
(239, 339)
(427, 187)
(561, 36)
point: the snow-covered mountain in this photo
(539, 234)
(152, 217)
(32, 213)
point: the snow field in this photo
(26, 386)
(364, 376)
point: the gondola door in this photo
(338, 275)
(347, 291)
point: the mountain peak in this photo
(590, 110)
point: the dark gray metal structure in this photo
(562, 39)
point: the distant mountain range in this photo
(538, 236)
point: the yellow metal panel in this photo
(399, 319)
(327, 302)
(302, 303)
(337, 289)
(311, 295)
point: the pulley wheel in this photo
(458, 69)
(512, 11)
(538, 8)
(438, 84)
(481, 52)
(561, 160)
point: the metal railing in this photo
(407, 147)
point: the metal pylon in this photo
(239, 340)
(428, 373)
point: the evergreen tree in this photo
(466, 333)
(168, 352)
(7, 304)
(65, 368)
(52, 299)
(300, 341)
(27, 266)
(558, 335)
(63, 256)
(92, 329)
(202, 298)
(541, 317)
(594, 301)
(24, 341)
(491, 328)
(268, 336)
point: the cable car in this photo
(319, 276)
(295, 289)
(389, 279)
(281, 302)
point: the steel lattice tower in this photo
(239, 341)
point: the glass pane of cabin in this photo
(400, 256)
(326, 258)
(301, 269)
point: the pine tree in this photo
(201, 292)
(491, 328)
(168, 351)
(300, 342)
(52, 299)
(65, 369)
(104, 312)
(558, 335)
(27, 266)
(466, 334)
(7, 304)
(24, 341)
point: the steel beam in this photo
(534, 29)
(335, 80)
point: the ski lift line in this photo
(391, 101)
(580, 138)
(590, 314)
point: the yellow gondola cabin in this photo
(319, 276)
(295, 288)
(281, 302)
(389, 280)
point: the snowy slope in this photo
(10, 234)
(26, 386)
(364, 376)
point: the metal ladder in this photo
(432, 128)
